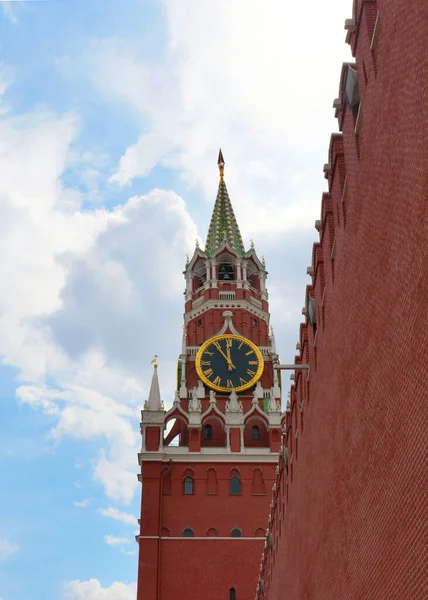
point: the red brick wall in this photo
(351, 508)
(208, 567)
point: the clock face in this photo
(229, 361)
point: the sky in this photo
(111, 117)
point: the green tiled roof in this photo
(223, 223)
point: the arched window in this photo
(208, 432)
(236, 532)
(232, 595)
(188, 485)
(235, 483)
(187, 532)
(255, 433)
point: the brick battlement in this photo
(348, 512)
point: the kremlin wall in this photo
(348, 517)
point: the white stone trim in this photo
(375, 33)
(345, 189)
(182, 454)
(224, 304)
(358, 120)
(232, 539)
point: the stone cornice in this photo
(208, 455)
(224, 304)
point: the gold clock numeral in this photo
(249, 352)
(229, 343)
(217, 345)
(217, 381)
(210, 353)
(205, 363)
(229, 384)
(252, 362)
(251, 373)
(208, 372)
(240, 345)
(243, 382)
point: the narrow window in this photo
(187, 532)
(255, 433)
(235, 485)
(188, 486)
(208, 432)
(232, 595)
(236, 532)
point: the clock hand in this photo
(229, 361)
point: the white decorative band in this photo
(232, 539)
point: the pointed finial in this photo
(196, 243)
(154, 401)
(220, 163)
(251, 244)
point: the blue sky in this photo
(111, 116)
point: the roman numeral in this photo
(243, 382)
(205, 363)
(252, 362)
(250, 372)
(208, 372)
(249, 352)
(217, 381)
(217, 345)
(240, 345)
(229, 384)
(229, 343)
(210, 353)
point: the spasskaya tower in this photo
(208, 463)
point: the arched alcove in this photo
(258, 484)
(213, 433)
(256, 424)
(211, 484)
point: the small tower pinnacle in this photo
(220, 163)
(154, 401)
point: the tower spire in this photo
(154, 401)
(223, 223)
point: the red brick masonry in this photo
(350, 517)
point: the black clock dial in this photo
(227, 362)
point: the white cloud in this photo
(92, 590)
(83, 503)
(8, 11)
(142, 157)
(91, 295)
(112, 540)
(7, 549)
(258, 83)
(114, 513)
(75, 317)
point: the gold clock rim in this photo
(218, 388)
